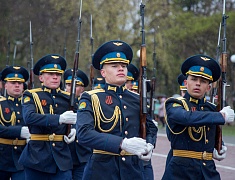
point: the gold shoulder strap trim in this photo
(95, 91)
(12, 119)
(65, 92)
(35, 90)
(37, 103)
(185, 107)
(2, 98)
(100, 117)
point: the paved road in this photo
(225, 167)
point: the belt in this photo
(46, 137)
(12, 141)
(122, 153)
(193, 154)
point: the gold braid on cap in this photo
(100, 117)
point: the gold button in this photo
(127, 119)
(120, 96)
(18, 121)
(17, 104)
(53, 144)
(126, 132)
(15, 147)
(56, 105)
(122, 153)
(207, 141)
(202, 108)
(18, 112)
(76, 141)
(123, 159)
(124, 107)
(204, 164)
(208, 129)
(53, 96)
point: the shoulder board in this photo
(133, 92)
(35, 90)
(2, 98)
(65, 92)
(175, 100)
(95, 91)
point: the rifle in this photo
(91, 66)
(222, 81)
(30, 63)
(153, 80)
(75, 69)
(143, 79)
(214, 84)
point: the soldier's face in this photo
(50, 80)
(197, 86)
(114, 73)
(14, 88)
(129, 85)
(79, 89)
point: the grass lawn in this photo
(228, 130)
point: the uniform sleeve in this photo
(176, 114)
(151, 131)
(10, 131)
(32, 117)
(86, 133)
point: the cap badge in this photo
(117, 43)
(202, 69)
(118, 55)
(16, 67)
(55, 57)
(55, 65)
(205, 58)
(16, 75)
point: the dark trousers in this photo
(19, 175)
(78, 171)
(31, 174)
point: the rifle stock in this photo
(31, 77)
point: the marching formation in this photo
(61, 130)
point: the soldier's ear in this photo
(102, 72)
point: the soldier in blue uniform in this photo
(183, 88)
(80, 154)
(46, 112)
(13, 132)
(191, 123)
(132, 75)
(108, 120)
(99, 83)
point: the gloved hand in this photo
(71, 137)
(219, 157)
(68, 117)
(147, 157)
(24, 133)
(229, 114)
(135, 145)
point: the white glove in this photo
(68, 117)
(71, 137)
(24, 133)
(135, 145)
(147, 157)
(219, 157)
(229, 114)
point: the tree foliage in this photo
(183, 28)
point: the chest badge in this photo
(44, 102)
(7, 110)
(193, 109)
(109, 100)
